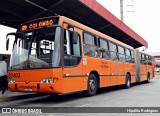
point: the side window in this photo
(112, 47)
(132, 55)
(147, 57)
(113, 51)
(143, 59)
(149, 60)
(72, 50)
(128, 55)
(103, 44)
(90, 45)
(121, 54)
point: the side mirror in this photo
(7, 44)
(7, 39)
(74, 38)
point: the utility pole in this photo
(121, 10)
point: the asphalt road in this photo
(139, 95)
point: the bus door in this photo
(72, 63)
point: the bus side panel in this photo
(101, 66)
(143, 70)
(104, 72)
(89, 64)
(105, 81)
(130, 68)
(133, 73)
(113, 73)
(72, 84)
(153, 73)
(120, 73)
(116, 72)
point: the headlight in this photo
(47, 80)
(12, 81)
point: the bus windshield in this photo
(38, 48)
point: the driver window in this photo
(72, 51)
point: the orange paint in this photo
(75, 78)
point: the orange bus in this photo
(59, 55)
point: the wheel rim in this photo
(92, 85)
(128, 82)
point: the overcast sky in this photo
(142, 16)
(3, 31)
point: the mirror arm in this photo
(7, 39)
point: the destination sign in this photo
(39, 24)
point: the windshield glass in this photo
(36, 49)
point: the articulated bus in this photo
(57, 55)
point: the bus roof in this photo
(88, 12)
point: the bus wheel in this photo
(128, 81)
(148, 78)
(92, 85)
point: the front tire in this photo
(92, 85)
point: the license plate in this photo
(28, 89)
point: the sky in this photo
(3, 32)
(142, 16)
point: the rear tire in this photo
(128, 81)
(148, 78)
(92, 85)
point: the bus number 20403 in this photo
(14, 75)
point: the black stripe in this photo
(76, 76)
(87, 75)
(116, 75)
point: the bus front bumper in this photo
(34, 87)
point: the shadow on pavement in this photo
(19, 96)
